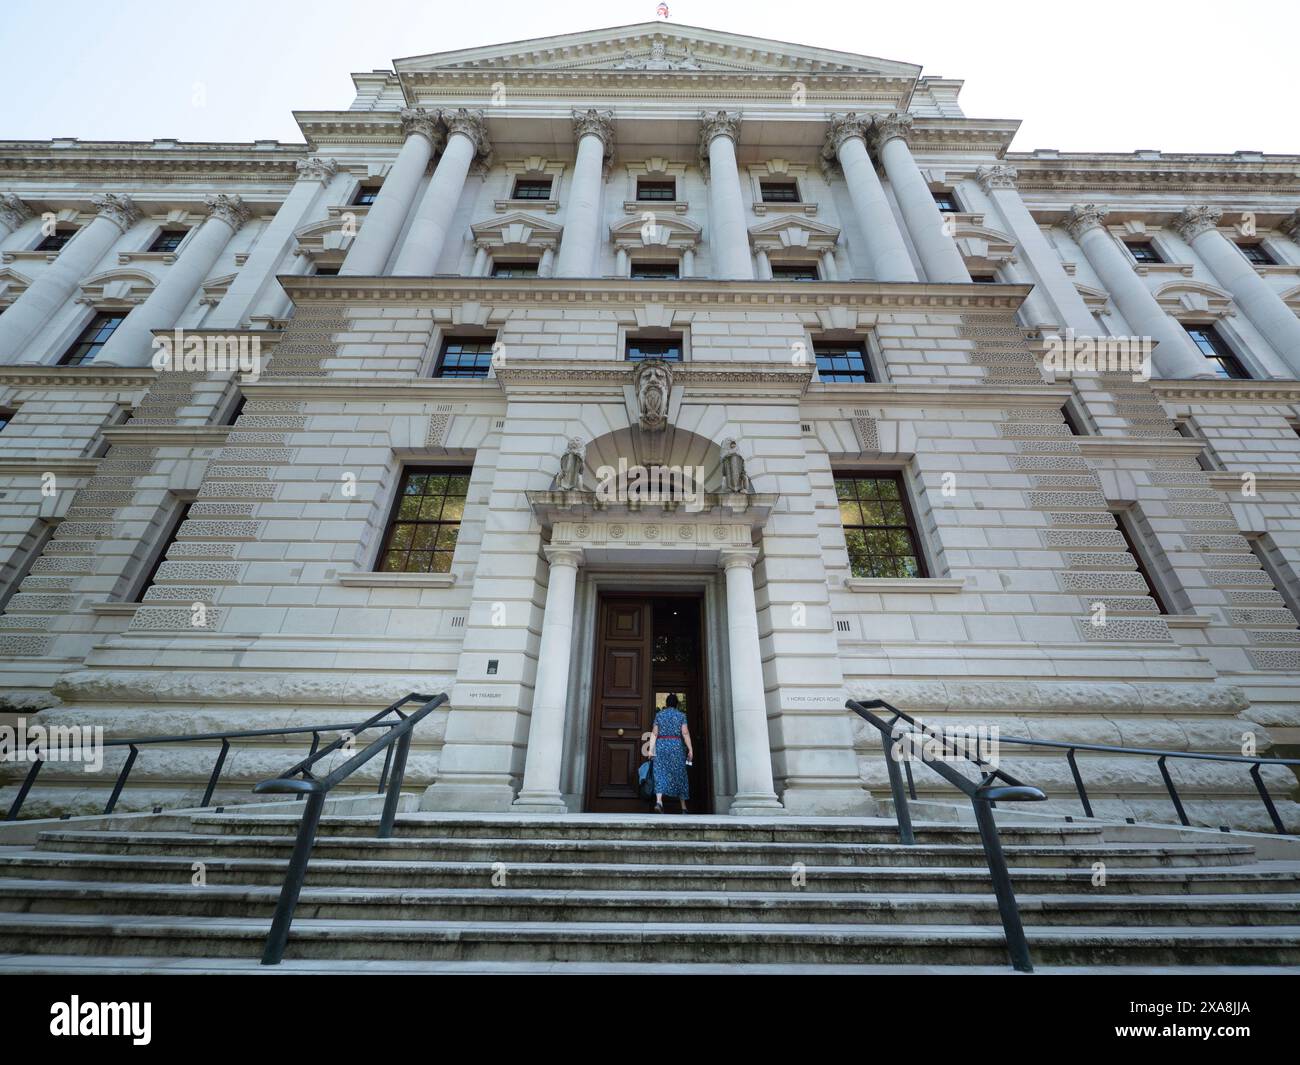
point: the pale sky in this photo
(1097, 75)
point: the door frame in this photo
(593, 583)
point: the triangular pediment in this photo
(658, 46)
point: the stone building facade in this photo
(803, 279)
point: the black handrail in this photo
(136, 742)
(982, 794)
(316, 789)
(1161, 756)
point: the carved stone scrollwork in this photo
(418, 120)
(594, 123)
(1291, 227)
(996, 177)
(717, 124)
(317, 169)
(886, 127)
(118, 208)
(1083, 217)
(471, 124)
(840, 128)
(1197, 220)
(13, 212)
(653, 381)
(230, 209)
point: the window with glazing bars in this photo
(425, 522)
(532, 189)
(168, 240)
(465, 357)
(668, 349)
(656, 190)
(842, 361)
(1213, 347)
(92, 339)
(879, 528)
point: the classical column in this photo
(541, 787)
(132, 343)
(937, 250)
(480, 267)
(546, 264)
(729, 239)
(754, 792)
(427, 234)
(1175, 355)
(594, 132)
(846, 143)
(688, 262)
(57, 282)
(764, 265)
(383, 222)
(830, 269)
(1063, 301)
(1260, 303)
(13, 213)
(255, 284)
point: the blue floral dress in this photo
(670, 755)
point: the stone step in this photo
(723, 852)
(665, 828)
(1102, 908)
(165, 869)
(93, 934)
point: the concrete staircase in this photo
(539, 892)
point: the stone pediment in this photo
(780, 233)
(658, 46)
(516, 229)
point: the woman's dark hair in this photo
(671, 701)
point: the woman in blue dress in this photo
(672, 752)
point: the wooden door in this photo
(621, 699)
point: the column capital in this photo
(996, 177)
(840, 128)
(118, 208)
(718, 124)
(471, 124)
(1291, 226)
(1194, 221)
(229, 209)
(1083, 217)
(316, 169)
(13, 212)
(885, 128)
(733, 557)
(418, 120)
(563, 555)
(594, 123)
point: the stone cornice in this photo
(157, 160)
(416, 389)
(36, 465)
(1260, 480)
(683, 293)
(757, 380)
(1112, 173)
(1049, 397)
(1126, 446)
(77, 376)
(160, 435)
(1228, 391)
(377, 128)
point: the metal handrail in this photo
(136, 742)
(982, 794)
(1161, 756)
(316, 789)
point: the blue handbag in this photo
(645, 780)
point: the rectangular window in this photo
(168, 240)
(1144, 557)
(779, 191)
(328, 270)
(656, 190)
(1072, 421)
(514, 269)
(425, 522)
(653, 271)
(92, 339)
(22, 560)
(639, 349)
(1214, 348)
(1205, 458)
(532, 189)
(56, 240)
(879, 528)
(1256, 254)
(1275, 565)
(947, 202)
(984, 279)
(465, 356)
(842, 361)
(366, 194)
(173, 529)
(1143, 251)
(794, 272)
(6, 416)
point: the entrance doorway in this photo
(646, 648)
